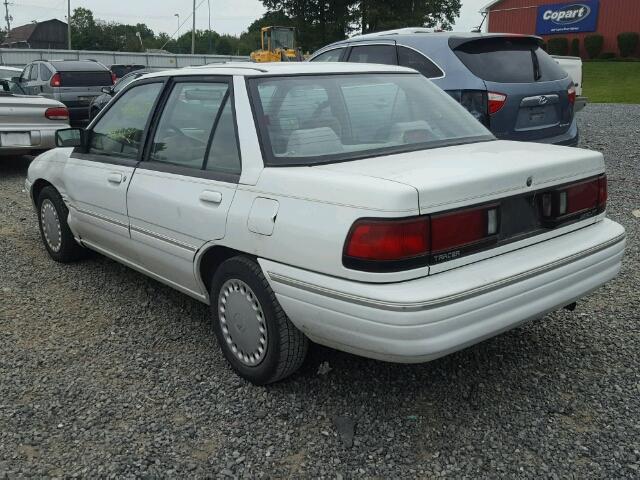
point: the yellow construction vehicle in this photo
(278, 45)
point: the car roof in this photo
(251, 69)
(77, 65)
(455, 38)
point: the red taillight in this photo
(56, 80)
(496, 101)
(57, 113)
(462, 229)
(388, 240)
(603, 193)
(113, 78)
(572, 94)
(573, 200)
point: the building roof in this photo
(489, 5)
(23, 33)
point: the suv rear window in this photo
(509, 60)
(86, 79)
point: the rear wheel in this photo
(55, 232)
(256, 337)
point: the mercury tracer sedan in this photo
(356, 206)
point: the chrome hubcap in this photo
(242, 321)
(51, 225)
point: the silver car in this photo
(73, 82)
(28, 123)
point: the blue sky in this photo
(227, 16)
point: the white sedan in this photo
(356, 206)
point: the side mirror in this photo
(107, 90)
(71, 137)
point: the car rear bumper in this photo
(40, 138)
(426, 318)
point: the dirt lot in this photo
(107, 373)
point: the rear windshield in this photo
(100, 78)
(509, 60)
(315, 119)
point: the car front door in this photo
(181, 192)
(97, 178)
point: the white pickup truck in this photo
(573, 66)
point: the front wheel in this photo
(257, 339)
(55, 232)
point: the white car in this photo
(354, 205)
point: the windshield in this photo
(282, 38)
(314, 119)
(7, 86)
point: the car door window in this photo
(33, 75)
(25, 73)
(120, 130)
(45, 73)
(186, 123)
(412, 59)
(223, 154)
(330, 56)
(385, 54)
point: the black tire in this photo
(286, 346)
(67, 250)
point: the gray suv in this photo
(73, 82)
(508, 82)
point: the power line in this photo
(183, 22)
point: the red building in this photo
(566, 18)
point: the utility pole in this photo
(7, 17)
(69, 24)
(193, 32)
(209, 32)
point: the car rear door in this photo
(96, 179)
(181, 193)
(528, 93)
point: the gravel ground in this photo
(106, 373)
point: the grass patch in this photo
(611, 82)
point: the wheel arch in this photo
(210, 259)
(37, 187)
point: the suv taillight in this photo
(571, 92)
(496, 101)
(113, 78)
(56, 80)
(57, 113)
(475, 101)
(379, 245)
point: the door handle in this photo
(116, 178)
(211, 197)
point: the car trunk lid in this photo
(20, 111)
(509, 176)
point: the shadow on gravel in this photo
(10, 166)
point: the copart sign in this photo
(579, 16)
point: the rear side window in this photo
(412, 59)
(330, 56)
(185, 126)
(509, 60)
(45, 73)
(385, 54)
(101, 78)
